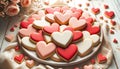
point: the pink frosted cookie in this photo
(26, 32)
(44, 50)
(50, 29)
(30, 63)
(9, 37)
(77, 24)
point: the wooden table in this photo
(114, 5)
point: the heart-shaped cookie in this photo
(28, 44)
(109, 14)
(95, 10)
(77, 24)
(90, 20)
(30, 63)
(19, 58)
(39, 24)
(36, 37)
(55, 57)
(68, 53)
(88, 67)
(25, 24)
(62, 18)
(62, 39)
(45, 50)
(50, 29)
(52, 10)
(26, 32)
(92, 29)
(50, 18)
(101, 58)
(47, 38)
(96, 39)
(85, 47)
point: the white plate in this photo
(79, 59)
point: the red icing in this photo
(115, 40)
(106, 6)
(92, 61)
(19, 58)
(37, 36)
(92, 30)
(53, 28)
(52, 10)
(25, 24)
(101, 58)
(90, 20)
(113, 22)
(67, 53)
(12, 29)
(77, 35)
(109, 14)
(95, 10)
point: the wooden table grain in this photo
(114, 5)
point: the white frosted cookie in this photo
(85, 47)
(39, 24)
(56, 58)
(27, 44)
(96, 39)
(86, 34)
(62, 27)
(62, 39)
(47, 38)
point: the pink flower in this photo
(15, 1)
(12, 10)
(25, 3)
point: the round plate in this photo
(79, 59)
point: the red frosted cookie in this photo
(44, 50)
(109, 14)
(50, 18)
(50, 29)
(90, 20)
(93, 29)
(19, 58)
(68, 53)
(26, 32)
(36, 37)
(77, 24)
(101, 58)
(62, 18)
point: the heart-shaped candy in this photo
(39, 24)
(95, 10)
(36, 37)
(85, 47)
(62, 18)
(88, 67)
(101, 58)
(52, 10)
(92, 29)
(45, 50)
(30, 63)
(109, 14)
(77, 24)
(62, 39)
(19, 58)
(50, 18)
(50, 29)
(28, 44)
(26, 32)
(68, 53)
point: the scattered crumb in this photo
(101, 17)
(87, 4)
(115, 40)
(17, 48)
(16, 25)
(79, 5)
(86, 9)
(112, 28)
(106, 21)
(92, 61)
(46, 3)
(26, 57)
(9, 37)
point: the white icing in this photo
(86, 34)
(62, 37)
(95, 39)
(26, 42)
(47, 38)
(62, 27)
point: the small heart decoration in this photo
(30, 63)
(45, 50)
(101, 58)
(95, 10)
(19, 58)
(50, 18)
(68, 53)
(109, 14)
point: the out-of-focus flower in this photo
(12, 10)
(25, 3)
